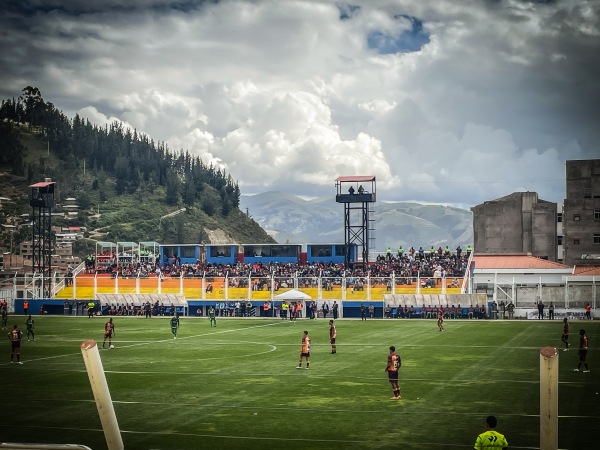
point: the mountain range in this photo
(291, 219)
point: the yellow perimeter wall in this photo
(192, 289)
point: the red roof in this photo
(43, 184)
(356, 178)
(586, 270)
(515, 262)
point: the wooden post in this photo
(548, 398)
(106, 411)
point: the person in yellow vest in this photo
(388, 254)
(490, 439)
(91, 308)
(469, 250)
(284, 310)
(400, 252)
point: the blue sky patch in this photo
(411, 40)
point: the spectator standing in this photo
(325, 310)
(363, 312)
(371, 311)
(588, 312)
(490, 439)
(25, 307)
(15, 335)
(540, 306)
(334, 309)
(551, 311)
(511, 310)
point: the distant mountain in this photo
(291, 219)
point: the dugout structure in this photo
(358, 194)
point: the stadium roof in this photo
(515, 262)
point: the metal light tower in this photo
(358, 194)
(41, 202)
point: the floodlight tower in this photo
(358, 194)
(41, 202)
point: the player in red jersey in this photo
(332, 336)
(109, 332)
(565, 335)
(393, 365)
(583, 348)
(15, 335)
(304, 351)
(440, 317)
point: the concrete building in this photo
(517, 223)
(581, 213)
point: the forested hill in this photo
(124, 174)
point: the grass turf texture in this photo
(236, 386)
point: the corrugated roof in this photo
(356, 178)
(514, 262)
(587, 270)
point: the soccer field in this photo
(237, 386)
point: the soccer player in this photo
(212, 316)
(440, 317)
(583, 348)
(15, 336)
(304, 351)
(393, 365)
(4, 312)
(174, 325)
(565, 335)
(109, 331)
(491, 439)
(332, 335)
(30, 328)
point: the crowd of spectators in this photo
(430, 266)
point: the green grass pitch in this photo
(237, 386)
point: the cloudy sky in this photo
(454, 101)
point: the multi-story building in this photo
(519, 223)
(581, 213)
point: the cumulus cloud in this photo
(443, 102)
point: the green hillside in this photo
(123, 183)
